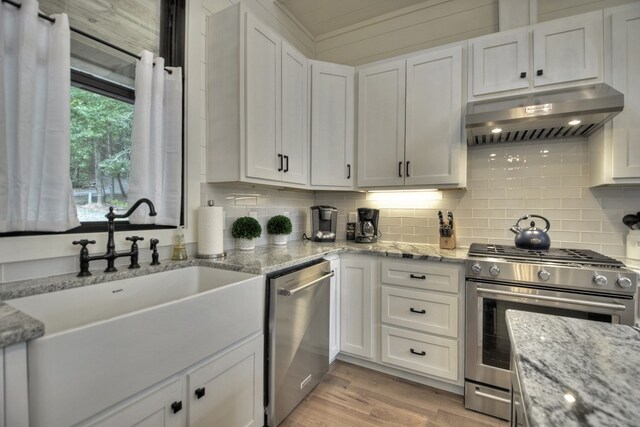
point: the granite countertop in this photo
(576, 372)
(16, 326)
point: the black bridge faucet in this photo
(111, 253)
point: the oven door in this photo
(488, 349)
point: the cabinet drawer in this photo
(419, 352)
(424, 311)
(421, 275)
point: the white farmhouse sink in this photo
(105, 342)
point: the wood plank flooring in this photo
(350, 395)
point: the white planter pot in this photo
(279, 239)
(245, 244)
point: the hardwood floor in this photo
(350, 395)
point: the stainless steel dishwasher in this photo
(297, 347)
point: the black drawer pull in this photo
(176, 406)
(539, 72)
(406, 172)
(286, 159)
(523, 75)
(413, 310)
(418, 353)
(348, 171)
(200, 392)
(281, 166)
(415, 276)
(400, 169)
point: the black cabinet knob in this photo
(523, 75)
(176, 406)
(200, 392)
(286, 164)
(400, 169)
(348, 171)
(539, 72)
(281, 165)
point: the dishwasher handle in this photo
(292, 292)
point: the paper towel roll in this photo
(210, 229)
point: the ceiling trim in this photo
(372, 21)
(284, 9)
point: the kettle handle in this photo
(547, 225)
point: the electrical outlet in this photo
(253, 214)
(353, 217)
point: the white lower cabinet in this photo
(161, 407)
(357, 302)
(421, 313)
(225, 389)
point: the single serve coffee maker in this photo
(323, 221)
(367, 228)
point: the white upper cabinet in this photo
(332, 126)
(433, 118)
(614, 150)
(559, 53)
(568, 49)
(381, 114)
(410, 122)
(257, 97)
(500, 62)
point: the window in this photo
(102, 93)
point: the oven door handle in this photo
(618, 307)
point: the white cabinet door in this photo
(162, 407)
(262, 93)
(500, 62)
(334, 311)
(332, 125)
(625, 78)
(228, 391)
(295, 130)
(357, 322)
(568, 49)
(434, 118)
(381, 108)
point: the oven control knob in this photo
(494, 270)
(599, 280)
(624, 282)
(476, 268)
(544, 275)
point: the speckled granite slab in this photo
(16, 326)
(576, 372)
(262, 260)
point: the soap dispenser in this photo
(179, 249)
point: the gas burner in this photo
(581, 257)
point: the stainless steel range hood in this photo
(562, 113)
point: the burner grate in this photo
(585, 257)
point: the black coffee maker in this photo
(367, 229)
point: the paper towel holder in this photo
(211, 256)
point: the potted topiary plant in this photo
(279, 227)
(244, 230)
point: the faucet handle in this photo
(134, 239)
(84, 242)
(154, 253)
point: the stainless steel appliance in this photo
(367, 228)
(323, 221)
(560, 113)
(297, 344)
(565, 282)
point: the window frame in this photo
(172, 49)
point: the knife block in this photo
(448, 242)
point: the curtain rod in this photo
(82, 33)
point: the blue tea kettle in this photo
(532, 238)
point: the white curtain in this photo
(35, 184)
(156, 142)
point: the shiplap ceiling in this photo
(326, 16)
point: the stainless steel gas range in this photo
(565, 282)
